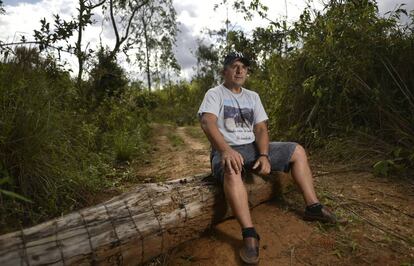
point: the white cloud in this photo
(390, 5)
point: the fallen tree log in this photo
(133, 227)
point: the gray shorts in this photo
(279, 155)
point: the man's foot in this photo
(318, 212)
(249, 253)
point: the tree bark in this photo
(78, 45)
(147, 54)
(131, 228)
(83, 7)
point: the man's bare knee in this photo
(232, 178)
(299, 153)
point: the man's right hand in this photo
(232, 161)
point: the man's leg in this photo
(236, 195)
(302, 174)
(233, 186)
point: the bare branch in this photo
(132, 16)
(111, 11)
(60, 49)
(90, 6)
(119, 40)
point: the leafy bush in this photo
(179, 103)
(125, 127)
(42, 150)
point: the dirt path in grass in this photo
(176, 152)
(380, 213)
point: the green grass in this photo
(176, 141)
(197, 133)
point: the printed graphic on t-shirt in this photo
(238, 119)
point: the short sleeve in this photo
(211, 104)
(259, 112)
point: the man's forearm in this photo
(262, 140)
(214, 136)
(231, 160)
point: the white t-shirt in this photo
(237, 113)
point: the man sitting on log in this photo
(235, 122)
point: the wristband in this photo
(264, 154)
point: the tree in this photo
(127, 11)
(108, 78)
(128, 19)
(207, 62)
(84, 18)
(158, 28)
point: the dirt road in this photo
(380, 214)
(176, 152)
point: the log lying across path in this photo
(131, 228)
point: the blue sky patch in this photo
(16, 2)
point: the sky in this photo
(194, 17)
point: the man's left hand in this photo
(262, 165)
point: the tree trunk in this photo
(78, 45)
(147, 55)
(131, 228)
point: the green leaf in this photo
(397, 152)
(4, 180)
(381, 168)
(15, 195)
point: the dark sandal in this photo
(249, 253)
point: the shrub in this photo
(45, 149)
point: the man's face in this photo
(235, 74)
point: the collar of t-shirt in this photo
(236, 95)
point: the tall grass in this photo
(125, 125)
(54, 151)
(42, 153)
